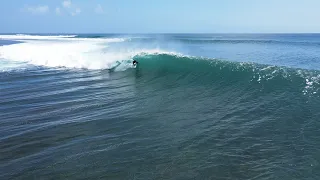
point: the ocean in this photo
(197, 106)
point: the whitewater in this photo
(197, 106)
(69, 52)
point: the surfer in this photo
(135, 62)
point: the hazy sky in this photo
(154, 16)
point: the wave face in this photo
(197, 106)
(210, 71)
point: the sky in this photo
(159, 16)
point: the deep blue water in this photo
(197, 106)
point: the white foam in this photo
(10, 65)
(27, 38)
(70, 52)
(33, 37)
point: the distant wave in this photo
(34, 37)
(241, 41)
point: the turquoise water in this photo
(198, 106)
